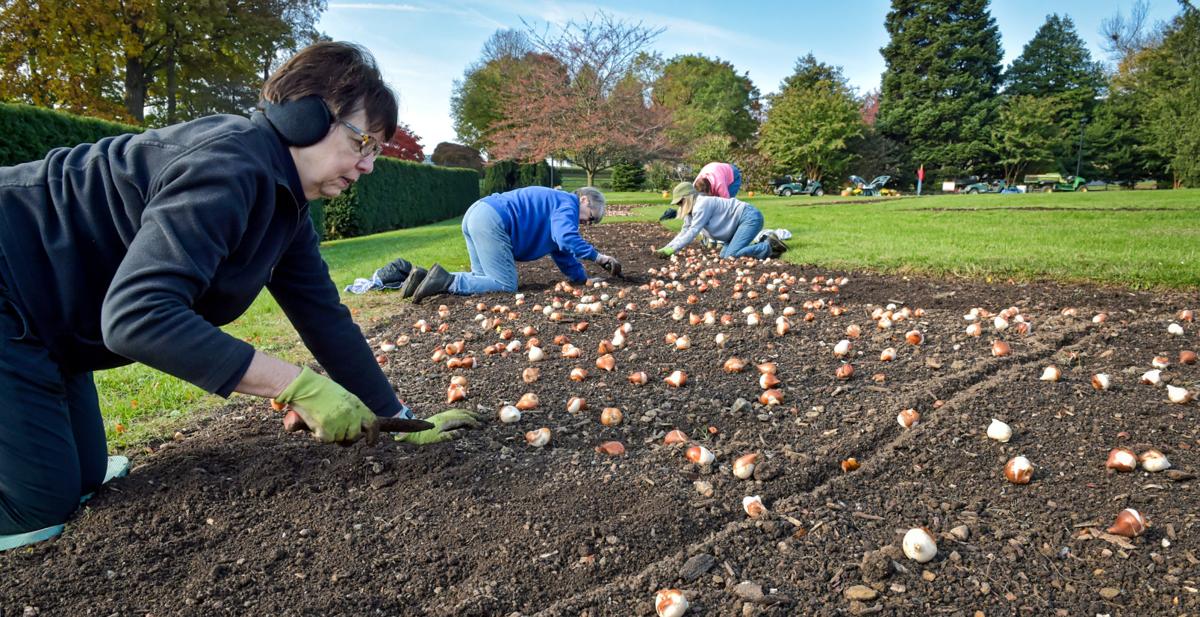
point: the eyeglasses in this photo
(368, 146)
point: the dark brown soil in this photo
(240, 518)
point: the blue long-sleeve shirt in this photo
(543, 221)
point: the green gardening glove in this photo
(665, 252)
(447, 425)
(331, 412)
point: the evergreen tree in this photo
(943, 71)
(628, 175)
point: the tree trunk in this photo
(135, 88)
(172, 87)
(591, 174)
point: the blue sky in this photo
(424, 45)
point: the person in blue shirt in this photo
(522, 225)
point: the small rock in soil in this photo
(1109, 593)
(861, 593)
(748, 591)
(740, 405)
(877, 565)
(696, 566)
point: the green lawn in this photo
(1140, 239)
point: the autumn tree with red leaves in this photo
(405, 145)
(583, 98)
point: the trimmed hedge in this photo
(503, 176)
(397, 195)
(27, 133)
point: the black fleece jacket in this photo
(136, 248)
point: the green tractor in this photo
(1050, 183)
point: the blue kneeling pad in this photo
(118, 467)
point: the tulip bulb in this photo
(841, 349)
(1101, 381)
(720, 338)
(676, 379)
(606, 362)
(576, 404)
(919, 545)
(673, 437)
(1160, 362)
(683, 342)
(853, 331)
(455, 393)
(1175, 329)
(1178, 395)
(974, 329)
(1000, 323)
(1187, 315)
(1018, 470)
(844, 371)
(700, 455)
(1154, 461)
(538, 438)
(908, 418)
(536, 354)
(509, 414)
(1130, 523)
(753, 506)
(1000, 349)
(527, 401)
(887, 355)
(611, 448)
(734, 365)
(767, 381)
(605, 347)
(1051, 373)
(771, 397)
(670, 603)
(1187, 356)
(743, 466)
(530, 375)
(611, 416)
(850, 464)
(999, 431)
(914, 337)
(387, 346)
(570, 351)
(638, 378)
(752, 319)
(768, 367)
(1121, 459)
(578, 374)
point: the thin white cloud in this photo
(379, 6)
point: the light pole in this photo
(1079, 156)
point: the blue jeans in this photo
(737, 181)
(749, 224)
(490, 249)
(52, 446)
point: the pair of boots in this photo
(422, 283)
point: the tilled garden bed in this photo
(238, 517)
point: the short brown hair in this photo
(345, 76)
(702, 185)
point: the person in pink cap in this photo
(718, 180)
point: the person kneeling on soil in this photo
(138, 247)
(521, 225)
(718, 180)
(732, 221)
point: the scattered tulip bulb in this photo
(1152, 377)
(720, 338)
(569, 351)
(530, 374)
(527, 401)
(513, 346)
(455, 393)
(887, 355)
(576, 404)
(673, 437)
(578, 374)
(509, 414)
(752, 319)
(999, 431)
(683, 342)
(1178, 395)
(676, 379)
(734, 365)
(460, 380)
(768, 310)
(884, 323)
(770, 397)
(606, 362)
(919, 545)
(387, 346)
(782, 325)
(1187, 315)
(1121, 459)
(753, 506)
(1130, 523)
(766, 381)
(605, 347)
(914, 337)
(1000, 323)
(1187, 357)
(1154, 461)
(841, 349)
(611, 448)
(538, 438)
(638, 378)
(853, 331)
(1000, 349)
(908, 418)
(1100, 318)
(850, 464)
(974, 329)
(743, 466)
(700, 455)
(1175, 329)
(528, 331)
(611, 416)
(845, 371)
(1160, 362)
(1018, 470)
(768, 367)
(670, 603)
(1051, 373)
(536, 354)
(1101, 381)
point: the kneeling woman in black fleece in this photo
(138, 247)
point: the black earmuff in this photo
(302, 122)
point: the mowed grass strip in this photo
(1140, 239)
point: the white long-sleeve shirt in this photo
(717, 215)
